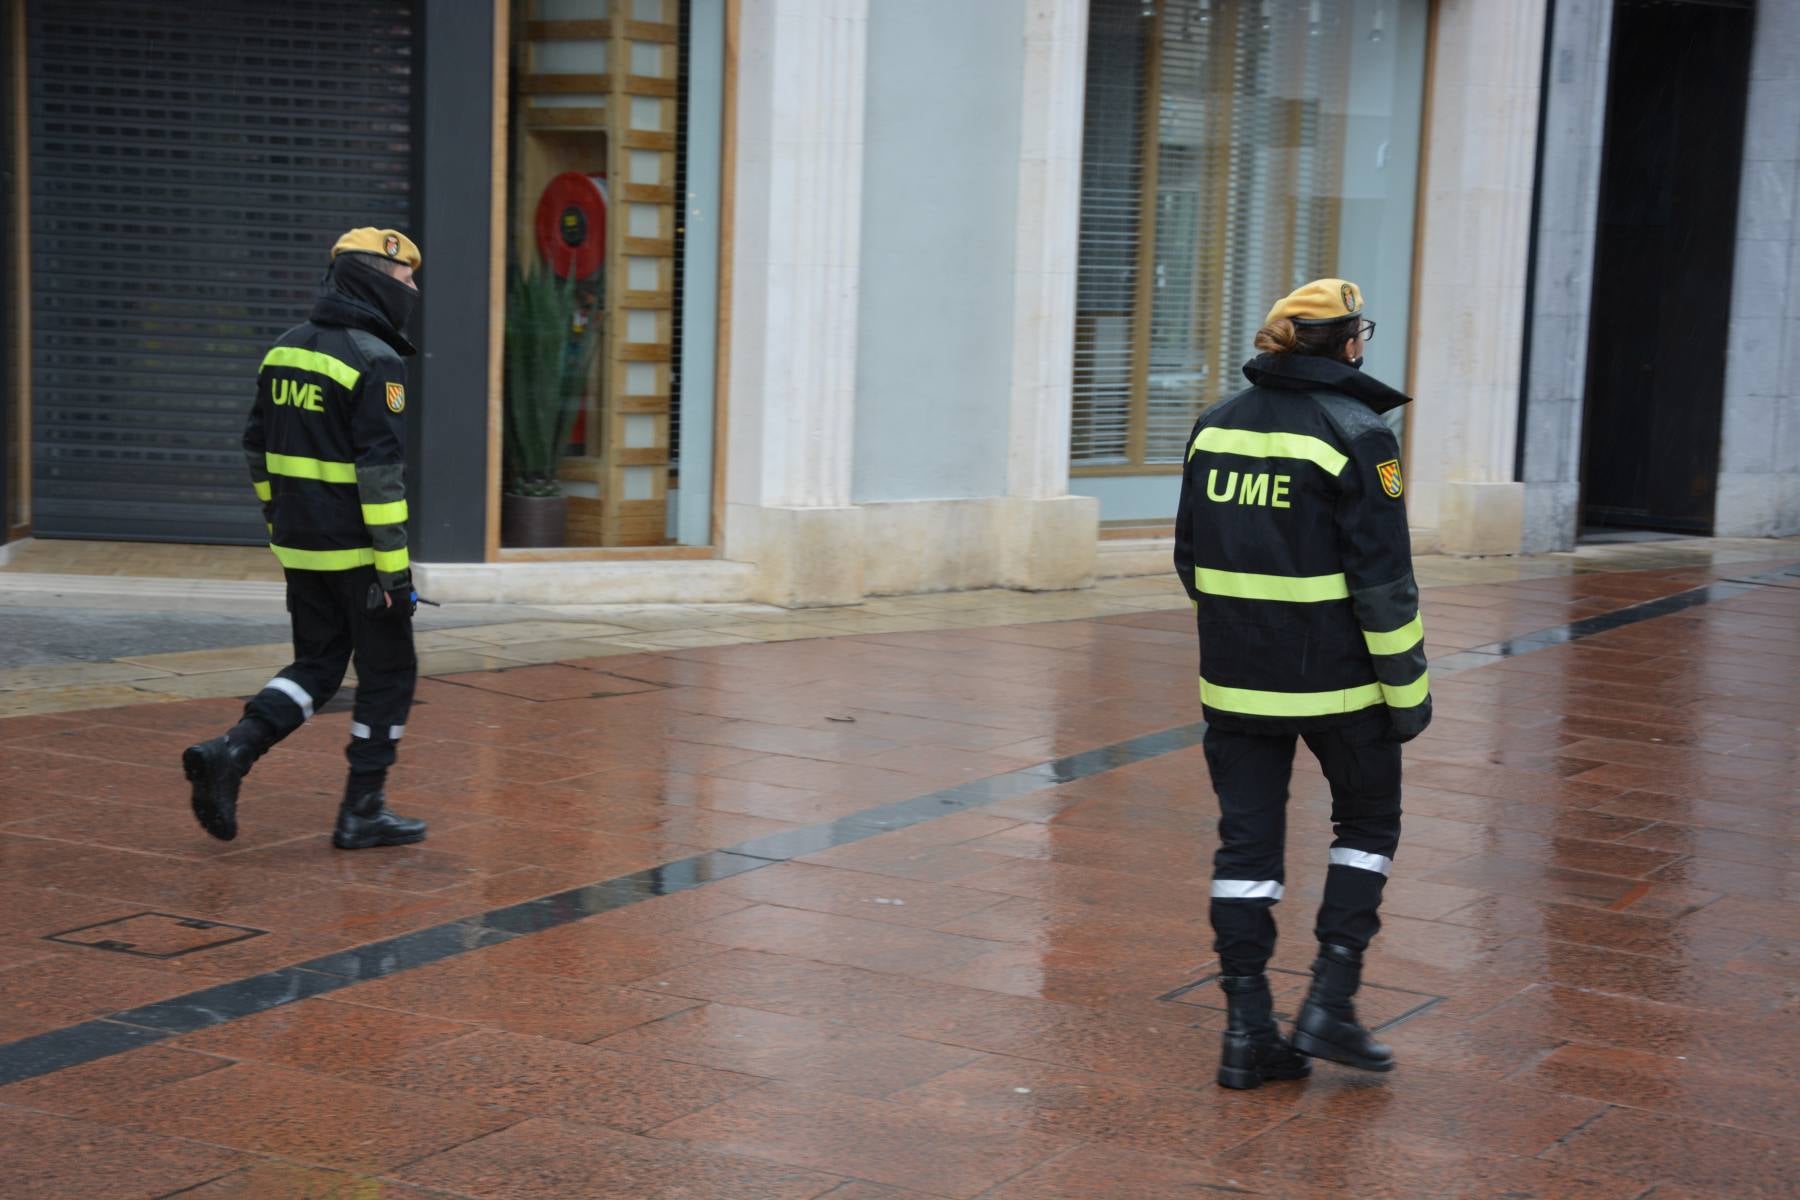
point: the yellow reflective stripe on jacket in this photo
(1251, 444)
(1289, 704)
(391, 513)
(1295, 589)
(390, 562)
(295, 467)
(263, 490)
(335, 369)
(323, 560)
(1397, 641)
(1409, 695)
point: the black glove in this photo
(398, 601)
(1405, 724)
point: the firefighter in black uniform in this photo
(1292, 542)
(326, 445)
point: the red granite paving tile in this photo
(322, 1035)
(1318, 1157)
(497, 844)
(546, 1077)
(1747, 914)
(167, 831)
(849, 941)
(29, 913)
(875, 785)
(867, 1139)
(1519, 877)
(466, 990)
(553, 682)
(1062, 883)
(856, 1189)
(1418, 1100)
(1733, 878)
(352, 914)
(64, 989)
(1666, 981)
(51, 1156)
(823, 1055)
(1502, 784)
(1628, 932)
(1119, 983)
(312, 861)
(668, 914)
(927, 864)
(1081, 928)
(1090, 1107)
(1651, 1147)
(1774, 957)
(594, 952)
(1447, 1042)
(1664, 1029)
(275, 1180)
(764, 800)
(79, 1091)
(1179, 858)
(1737, 1095)
(1095, 1170)
(543, 1159)
(314, 1118)
(847, 893)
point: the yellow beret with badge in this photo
(1321, 302)
(383, 243)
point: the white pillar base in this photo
(1480, 518)
(804, 557)
(1050, 545)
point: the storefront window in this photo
(603, 200)
(1233, 150)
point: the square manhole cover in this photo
(1377, 1007)
(155, 935)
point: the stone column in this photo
(795, 265)
(1051, 537)
(1568, 213)
(1759, 457)
(1469, 321)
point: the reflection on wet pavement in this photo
(920, 913)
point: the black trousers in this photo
(332, 623)
(1250, 773)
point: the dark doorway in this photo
(1663, 259)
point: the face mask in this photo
(366, 282)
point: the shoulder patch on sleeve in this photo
(396, 398)
(1389, 471)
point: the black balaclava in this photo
(360, 277)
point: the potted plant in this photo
(549, 348)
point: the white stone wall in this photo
(1480, 173)
(1759, 457)
(1568, 205)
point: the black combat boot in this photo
(1254, 1050)
(1327, 1027)
(216, 768)
(364, 821)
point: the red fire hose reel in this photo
(571, 224)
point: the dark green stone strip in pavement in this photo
(60, 1049)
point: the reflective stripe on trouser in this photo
(332, 624)
(1250, 773)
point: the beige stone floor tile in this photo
(555, 650)
(679, 639)
(40, 701)
(444, 639)
(273, 655)
(516, 632)
(455, 662)
(778, 631)
(211, 684)
(71, 674)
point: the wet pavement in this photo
(917, 909)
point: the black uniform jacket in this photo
(1292, 541)
(326, 442)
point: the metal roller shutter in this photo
(191, 164)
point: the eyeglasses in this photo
(1366, 331)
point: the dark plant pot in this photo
(534, 522)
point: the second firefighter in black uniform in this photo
(1292, 541)
(326, 447)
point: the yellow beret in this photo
(385, 243)
(1318, 303)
